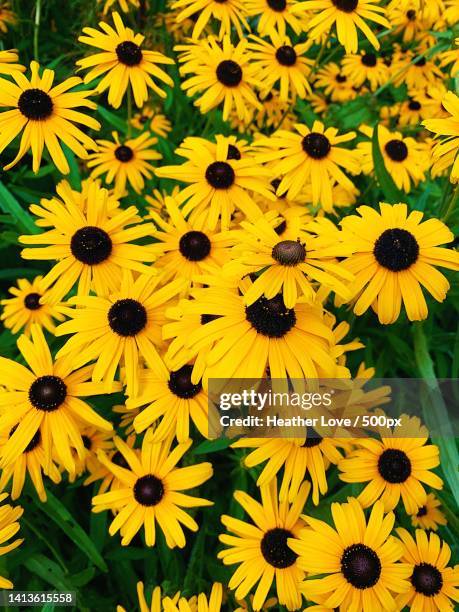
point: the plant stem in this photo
(319, 55)
(36, 29)
(129, 112)
(451, 204)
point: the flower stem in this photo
(451, 204)
(36, 29)
(129, 112)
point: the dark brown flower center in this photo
(347, 6)
(271, 317)
(32, 301)
(369, 59)
(289, 252)
(47, 393)
(277, 5)
(414, 105)
(180, 383)
(396, 249)
(91, 245)
(220, 175)
(394, 466)
(195, 246)
(411, 14)
(396, 150)
(360, 566)
(286, 55)
(233, 152)
(129, 53)
(422, 511)
(124, 153)
(229, 73)
(148, 490)
(275, 549)
(35, 104)
(316, 145)
(312, 438)
(127, 317)
(427, 579)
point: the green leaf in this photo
(117, 122)
(391, 192)
(74, 176)
(212, 446)
(48, 570)
(62, 517)
(9, 204)
(14, 273)
(439, 417)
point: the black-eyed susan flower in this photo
(413, 69)
(335, 83)
(395, 466)
(358, 559)
(154, 120)
(172, 401)
(7, 16)
(124, 324)
(125, 161)
(222, 75)
(230, 14)
(396, 253)
(125, 5)
(431, 100)
(276, 16)
(220, 181)
(349, 16)
(283, 63)
(242, 341)
(451, 57)
(94, 440)
(30, 305)
(445, 151)
(260, 548)
(429, 516)
(433, 584)
(152, 492)
(405, 158)
(45, 114)
(290, 267)
(9, 526)
(364, 67)
(411, 111)
(311, 455)
(184, 249)
(46, 398)
(33, 463)
(309, 155)
(410, 20)
(8, 63)
(92, 248)
(125, 63)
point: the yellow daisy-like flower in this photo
(94, 440)
(92, 248)
(230, 14)
(358, 559)
(395, 254)
(280, 61)
(433, 585)
(32, 462)
(289, 266)
(30, 305)
(184, 249)
(309, 155)
(349, 16)
(429, 516)
(7, 62)
(125, 324)
(260, 548)
(175, 400)
(125, 5)
(46, 398)
(156, 122)
(451, 57)
(221, 180)
(414, 70)
(405, 159)
(196, 603)
(222, 74)
(365, 67)
(9, 526)
(237, 340)
(445, 152)
(275, 16)
(7, 16)
(335, 83)
(410, 19)
(124, 61)
(126, 161)
(45, 114)
(152, 492)
(395, 467)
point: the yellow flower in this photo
(445, 151)
(7, 59)
(9, 526)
